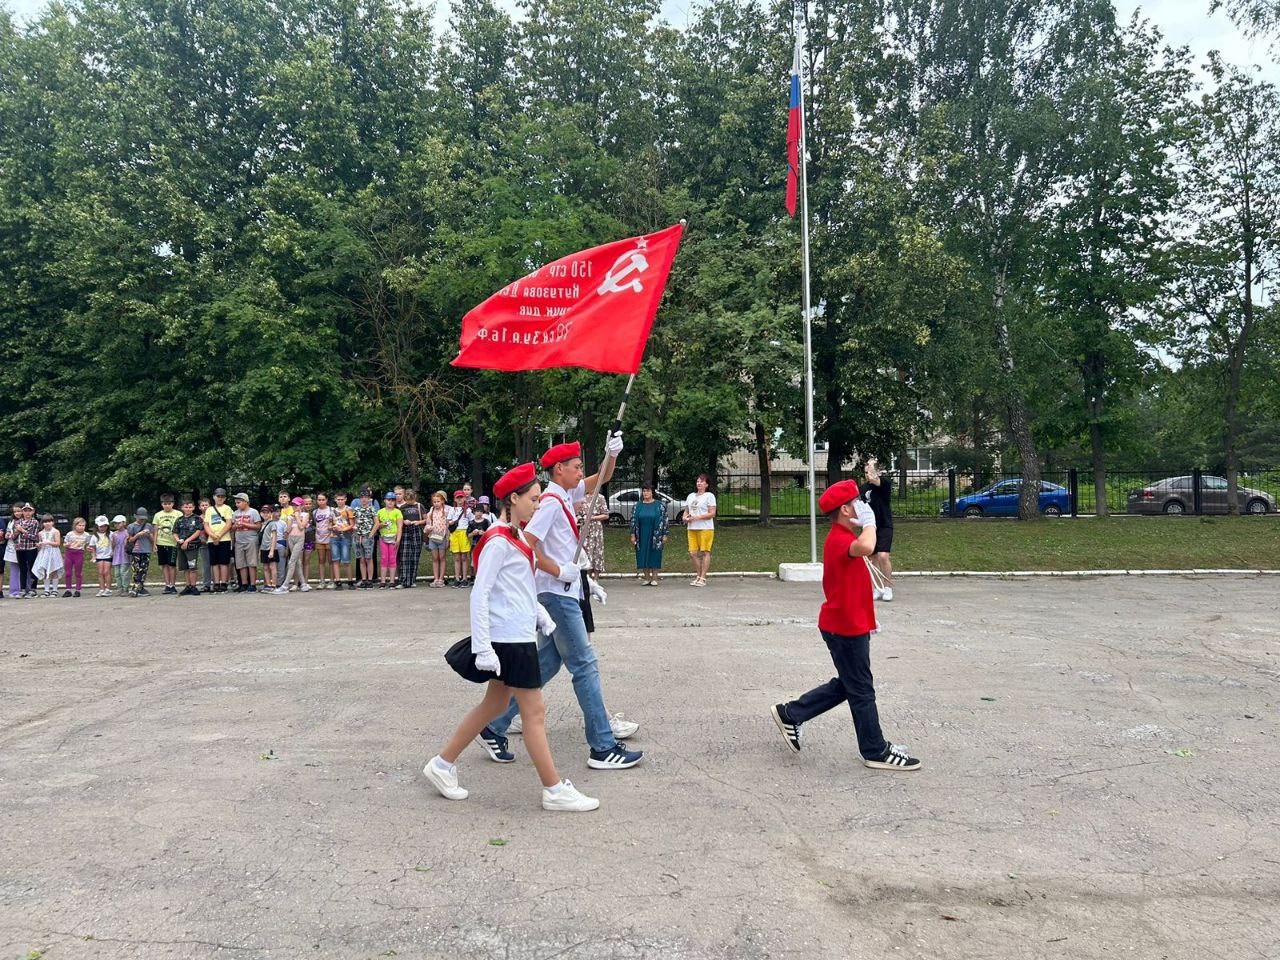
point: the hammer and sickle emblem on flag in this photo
(632, 262)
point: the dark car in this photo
(1174, 496)
(1001, 500)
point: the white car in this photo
(623, 503)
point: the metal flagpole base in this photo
(800, 572)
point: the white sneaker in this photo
(517, 725)
(306, 588)
(446, 781)
(622, 728)
(887, 594)
(280, 590)
(877, 593)
(568, 799)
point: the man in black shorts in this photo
(878, 495)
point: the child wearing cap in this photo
(48, 564)
(459, 542)
(167, 543)
(101, 541)
(217, 532)
(847, 620)
(502, 651)
(366, 519)
(120, 552)
(188, 534)
(141, 542)
(246, 522)
(77, 540)
(390, 530)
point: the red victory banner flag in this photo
(591, 309)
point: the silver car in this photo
(1174, 496)
(623, 503)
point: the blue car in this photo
(1001, 500)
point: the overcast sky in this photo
(1182, 22)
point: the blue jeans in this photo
(341, 547)
(853, 685)
(570, 646)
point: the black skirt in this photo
(519, 662)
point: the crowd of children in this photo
(299, 543)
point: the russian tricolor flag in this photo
(794, 120)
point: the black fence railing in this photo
(955, 493)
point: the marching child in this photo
(76, 542)
(502, 651)
(847, 620)
(120, 552)
(188, 533)
(102, 553)
(48, 565)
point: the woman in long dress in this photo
(592, 514)
(649, 527)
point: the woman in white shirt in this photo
(700, 519)
(502, 651)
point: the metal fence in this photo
(955, 493)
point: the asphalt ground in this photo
(240, 777)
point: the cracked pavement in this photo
(240, 777)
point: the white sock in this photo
(441, 764)
(554, 790)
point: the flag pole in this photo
(808, 314)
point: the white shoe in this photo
(877, 593)
(622, 728)
(517, 725)
(280, 590)
(446, 781)
(306, 588)
(887, 594)
(568, 799)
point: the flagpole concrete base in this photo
(800, 572)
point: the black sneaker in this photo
(616, 757)
(76, 594)
(495, 746)
(66, 595)
(895, 758)
(144, 592)
(790, 731)
(337, 584)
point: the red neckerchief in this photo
(568, 514)
(504, 531)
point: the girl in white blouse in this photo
(502, 651)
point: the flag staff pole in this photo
(808, 313)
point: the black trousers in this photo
(853, 684)
(26, 560)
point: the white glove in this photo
(488, 661)
(598, 594)
(863, 514)
(613, 444)
(571, 571)
(546, 626)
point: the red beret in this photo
(837, 495)
(560, 453)
(514, 479)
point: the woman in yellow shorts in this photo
(700, 519)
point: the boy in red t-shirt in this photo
(847, 620)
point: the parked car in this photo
(1001, 500)
(623, 503)
(1174, 496)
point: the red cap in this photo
(459, 493)
(514, 479)
(837, 495)
(560, 453)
